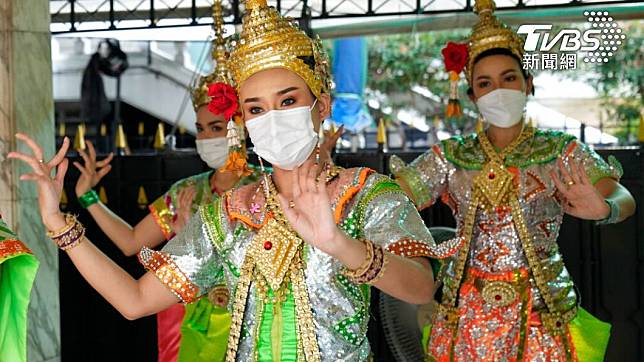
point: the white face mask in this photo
(502, 107)
(213, 151)
(285, 138)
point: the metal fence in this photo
(91, 15)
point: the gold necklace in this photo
(270, 191)
(555, 321)
(526, 133)
(273, 260)
(495, 182)
(490, 187)
(275, 245)
(272, 202)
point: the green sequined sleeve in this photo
(387, 217)
(189, 264)
(596, 167)
(426, 176)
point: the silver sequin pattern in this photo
(495, 244)
(389, 217)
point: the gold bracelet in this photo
(73, 239)
(381, 271)
(376, 269)
(69, 236)
(373, 268)
(364, 267)
(69, 223)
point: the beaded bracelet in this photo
(376, 269)
(613, 216)
(70, 235)
(373, 267)
(379, 269)
(364, 267)
(89, 198)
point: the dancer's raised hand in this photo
(49, 188)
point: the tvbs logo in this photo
(600, 41)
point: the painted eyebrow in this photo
(504, 73)
(212, 123)
(252, 99)
(286, 90)
(282, 92)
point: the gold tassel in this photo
(103, 130)
(237, 161)
(454, 109)
(61, 129)
(141, 129)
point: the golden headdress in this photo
(216, 90)
(221, 73)
(268, 40)
(490, 33)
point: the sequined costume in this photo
(317, 314)
(290, 302)
(18, 269)
(507, 294)
(163, 209)
(205, 323)
(203, 326)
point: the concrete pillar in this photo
(26, 105)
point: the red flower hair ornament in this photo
(223, 100)
(455, 57)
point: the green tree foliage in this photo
(620, 82)
(399, 62)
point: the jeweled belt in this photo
(499, 290)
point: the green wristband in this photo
(613, 216)
(89, 198)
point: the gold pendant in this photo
(273, 249)
(494, 181)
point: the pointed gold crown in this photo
(490, 33)
(268, 40)
(219, 54)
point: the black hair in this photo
(308, 60)
(500, 51)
